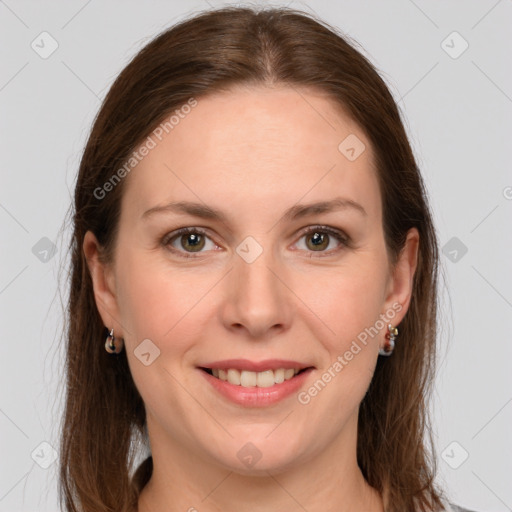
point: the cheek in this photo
(350, 306)
(157, 301)
(347, 299)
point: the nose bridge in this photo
(258, 297)
(253, 263)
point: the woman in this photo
(254, 282)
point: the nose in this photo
(257, 299)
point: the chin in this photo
(258, 456)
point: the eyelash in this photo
(338, 235)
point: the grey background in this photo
(457, 112)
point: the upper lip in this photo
(255, 366)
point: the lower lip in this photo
(254, 396)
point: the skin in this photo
(253, 153)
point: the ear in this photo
(400, 284)
(103, 281)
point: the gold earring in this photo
(113, 345)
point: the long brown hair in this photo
(104, 419)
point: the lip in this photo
(254, 396)
(255, 366)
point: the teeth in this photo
(265, 379)
(260, 379)
(279, 375)
(247, 379)
(289, 373)
(234, 377)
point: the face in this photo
(265, 285)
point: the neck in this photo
(259, 494)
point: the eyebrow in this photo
(295, 212)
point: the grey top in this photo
(455, 508)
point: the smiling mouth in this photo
(245, 378)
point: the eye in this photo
(318, 238)
(192, 240)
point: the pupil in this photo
(318, 239)
(192, 240)
(193, 237)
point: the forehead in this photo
(258, 148)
